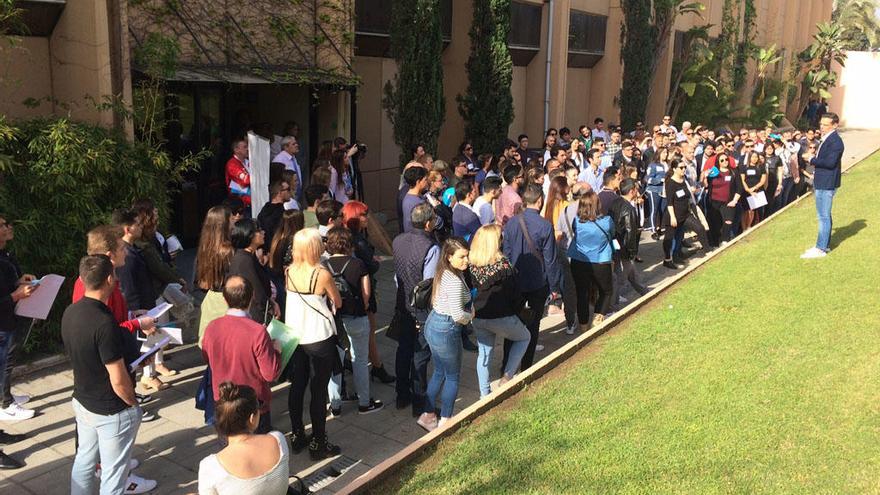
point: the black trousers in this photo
(536, 300)
(411, 362)
(591, 275)
(720, 219)
(21, 328)
(312, 365)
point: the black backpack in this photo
(350, 298)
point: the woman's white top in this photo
(215, 480)
(309, 313)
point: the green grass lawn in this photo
(758, 374)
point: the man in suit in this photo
(826, 180)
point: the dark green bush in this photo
(60, 178)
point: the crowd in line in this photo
(487, 244)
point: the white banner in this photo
(258, 154)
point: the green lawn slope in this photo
(760, 373)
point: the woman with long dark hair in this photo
(215, 249)
(557, 200)
(754, 180)
(280, 253)
(654, 180)
(724, 194)
(678, 198)
(340, 179)
(247, 239)
(774, 176)
(452, 310)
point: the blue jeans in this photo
(824, 199)
(444, 338)
(358, 330)
(105, 439)
(509, 327)
(6, 339)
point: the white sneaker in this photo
(622, 299)
(15, 413)
(570, 329)
(539, 348)
(135, 484)
(813, 253)
(21, 399)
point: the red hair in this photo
(351, 214)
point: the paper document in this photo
(40, 301)
(286, 336)
(757, 200)
(175, 333)
(159, 310)
(149, 353)
(173, 244)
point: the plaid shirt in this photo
(611, 149)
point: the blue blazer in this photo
(827, 163)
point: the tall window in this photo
(586, 38)
(525, 32)
(373, 25)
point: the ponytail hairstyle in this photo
(234, 408)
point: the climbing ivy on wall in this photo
(639, 38)
(746, 45)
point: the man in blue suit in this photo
(826, 180)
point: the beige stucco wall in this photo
(577, 95)
(854, 99)
(25, 72)
(69, 68)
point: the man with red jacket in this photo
(238, 176)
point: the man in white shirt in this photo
(483, 205)
(289, 150)
(599, 129)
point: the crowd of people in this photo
(487, 244)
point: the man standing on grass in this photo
(826, 180)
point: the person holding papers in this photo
(239, 350)
(14, 286)
(754, 180)
(137, 287)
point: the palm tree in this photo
(859, 23)
(828, 46)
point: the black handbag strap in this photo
(522, 224)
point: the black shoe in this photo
(7, 462)
(402, 403)
(373, 406)
(638, 260)
(679, 261)
(322, 449)
(468, 345)
(8, 438)
(669, 264)
(336, 411)
(298, 441)
(655, 235)
(382, 375)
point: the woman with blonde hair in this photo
(452, 310)
(309, 286)
(497, 304)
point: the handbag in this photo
(421, 294)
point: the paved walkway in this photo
(170, 448)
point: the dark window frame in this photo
(586, 49)
(374, 38)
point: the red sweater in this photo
(237, 172)
(239, 350)
(117, 305)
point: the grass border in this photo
(391, 465)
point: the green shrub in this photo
(60, 178)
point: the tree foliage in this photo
(414, 100)
(860, 26)
(487, 106)
(646, 29)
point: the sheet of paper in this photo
(159, 310)
(757, 200)
(149, 353)
(175, 333)
(173, 244)
(40, 301)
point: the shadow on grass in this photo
(840, 234)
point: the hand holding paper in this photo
(42, 296)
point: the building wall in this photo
(68, 68)
(854, 99)
(577, 95)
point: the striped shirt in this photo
(452, 298)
